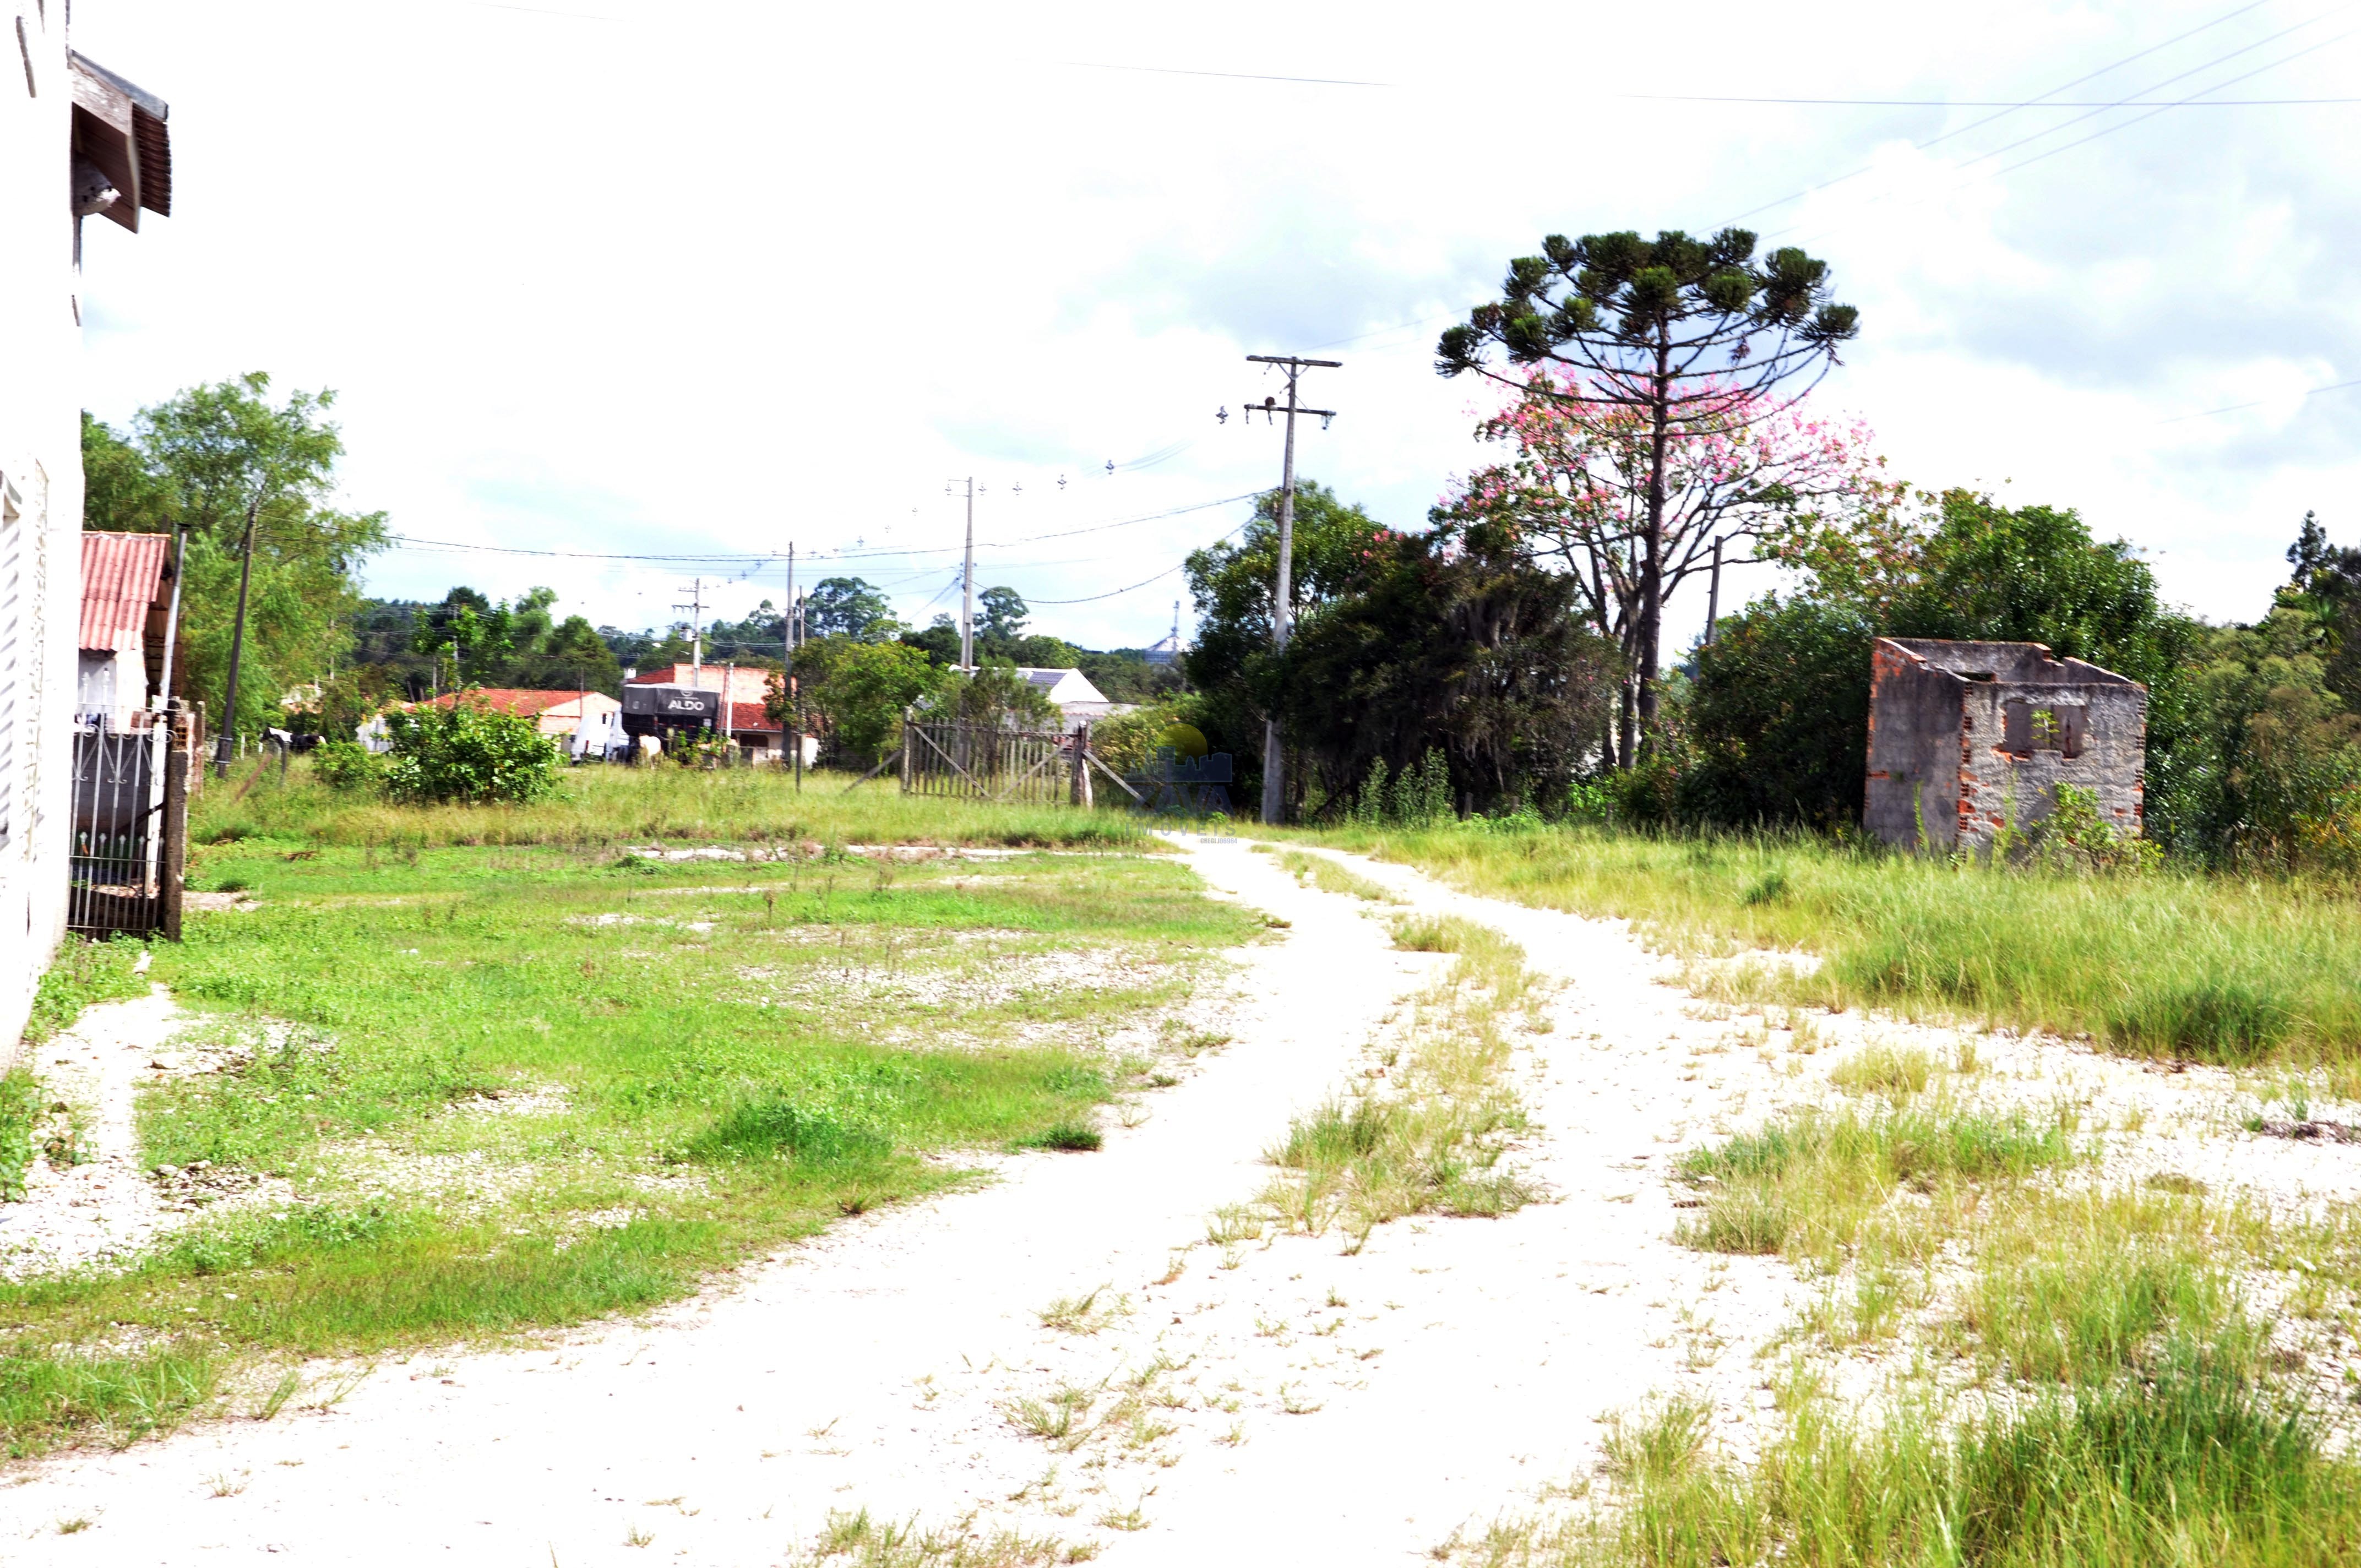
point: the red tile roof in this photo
(122, 575)
(510, 699)
(746, 716)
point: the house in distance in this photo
(1968, 738)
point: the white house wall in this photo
(40, 455)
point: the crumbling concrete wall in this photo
(1969, 738)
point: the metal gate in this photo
(130, 828)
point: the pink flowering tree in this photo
(1588, 484)
(1652, 349)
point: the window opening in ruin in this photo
(2048, 735)
(1984, 675)
(2016, 727)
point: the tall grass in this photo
(1808, 1184)
(603, 807)
(2190, 1466)
(2170, 962)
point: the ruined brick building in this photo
(1965, 737)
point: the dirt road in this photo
(1266, 1401)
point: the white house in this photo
(1077, 700)
(75, 141)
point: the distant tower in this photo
(1166, 651)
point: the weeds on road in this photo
(1330, 877)
(1808, 1184)
(1431, 1135)
(853, 1539)
(2169, 964)
(479, 1090)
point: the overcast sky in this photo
(703, 277)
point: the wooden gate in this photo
(968, 762)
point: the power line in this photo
(2259, 403)
(1982, 103)
(1227, 75)
(2031, 103)
(741, 558)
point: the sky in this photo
(601, 280)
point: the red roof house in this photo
(554, 713)
(127, 599)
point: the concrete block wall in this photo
(1967, 739)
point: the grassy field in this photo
(2165, 963)
(601, 807)
(465, 1075)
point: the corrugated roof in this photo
(511, 699)
(122, 575)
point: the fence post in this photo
(908, 722)
(174, 861)
(1082, 789)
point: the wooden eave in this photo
(120, 127)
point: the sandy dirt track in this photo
(1320, 1407)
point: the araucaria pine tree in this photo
(1663, 343)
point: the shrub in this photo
(468, 752)
(346, 765)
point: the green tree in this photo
(847, 606)
(993, 697)
(860, 694)
(1674, 333)
(2327, 587)
(2273, 773)
(475, 634)
(204, 460)
(121, 492)
(1001, 615)
(1778, 717)
(1232, 663)
(939, 642)
(1452, 643)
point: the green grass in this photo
(84, 972)
(519, 1085)
(601, 807)
(2169, 964)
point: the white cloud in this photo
(714, 275)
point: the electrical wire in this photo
(2259, 403)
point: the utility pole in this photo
(695, 607)
(1282, 609)
(792, 721)
(1713, 592)
(967, 583)
(236, 643)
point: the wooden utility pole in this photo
(236, 642)
(1282, 609)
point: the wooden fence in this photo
(1025, 767)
